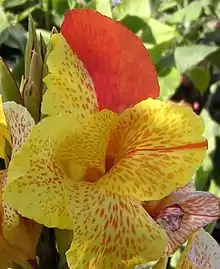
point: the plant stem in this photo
(46, 250)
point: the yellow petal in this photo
(33, 173)
(57, 153)
(201, 252)
(111, 231)
(155, 147)
(20, 123)
(2, 147)
(22, 234)
(87, 147)
(4, 132)
(69, 84)
(10, 254)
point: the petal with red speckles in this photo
(19, 236)
(20, 123)
(199, 209)
(69, 86)
(201, 252)
(154, 148)
(111, 231)
(60, 150)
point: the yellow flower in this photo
(89, 169)
(18, 236)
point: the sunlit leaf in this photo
(214, 57)
(168, 83)
(167, 5)
(187, 57)
(140, 8)
(203, 174)
(32, 44)
(13, 3)
(189, 13)
(158, 50)
(157, 32)
(8, 87)
(200, 78)
(104, 7)
(16, 37)
(63, 240)
(3, 26)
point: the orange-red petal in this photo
(115, 58)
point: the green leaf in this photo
(160, 31)
(32, 44)
(63, 240)
(200, 78)
(140, 8)
(18, 70)
(133, 23)
(168, 83)
(8, 87)
(24, 14)
(167, 5)
(59, 6)
(214, 57)
(17, 37)
(44, 33)
(203, 173)
(4, 24)
(90, 5)
(31, 97)
(13, 3)
(32, 90)
(104, 7)
(211, 130)
(175, 258)
(189, 13)
(214, 188)
(187, 57)
(71, 4)
(158, 50)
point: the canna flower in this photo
(183, 212)
(18, 236)
(105, 146)
(201, 252)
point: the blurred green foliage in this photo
(183, 40)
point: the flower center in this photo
(94, 174)
(91, 174)
(170, 218)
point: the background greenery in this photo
(183, 39)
